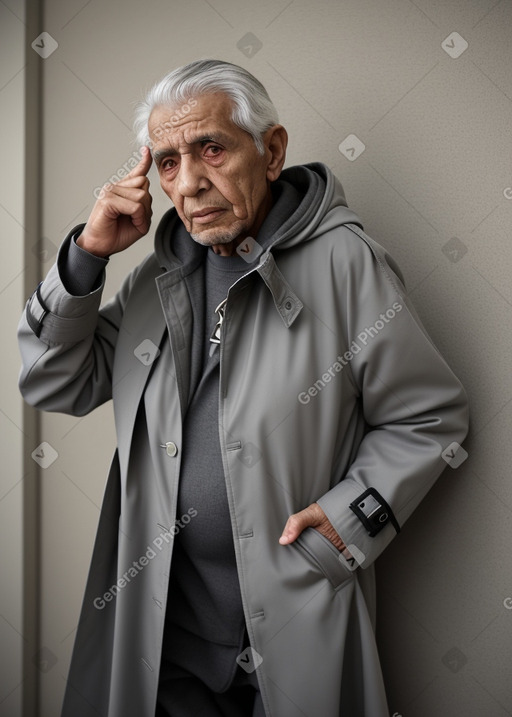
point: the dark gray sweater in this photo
(204, 621)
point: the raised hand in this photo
(122, 213)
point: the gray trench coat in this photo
(329, 385)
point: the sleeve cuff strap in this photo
(36, 311)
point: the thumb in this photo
(296, 523)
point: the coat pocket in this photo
(325, 556)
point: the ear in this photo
(275, 140)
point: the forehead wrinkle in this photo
(196, 136)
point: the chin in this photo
(210, 237)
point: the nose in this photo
(191, 176)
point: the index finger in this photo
(142, 168)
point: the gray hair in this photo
(253, 110)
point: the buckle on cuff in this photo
(373, 512)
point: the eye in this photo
(168, 164)
(212, 150)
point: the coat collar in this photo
(179, 256)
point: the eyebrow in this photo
(161, 154)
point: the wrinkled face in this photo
(210, 169)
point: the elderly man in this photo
(280, 412)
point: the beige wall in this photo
(12, 239)
(432, 185)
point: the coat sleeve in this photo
(67, 343)
(415, 408)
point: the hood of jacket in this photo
(308, 200)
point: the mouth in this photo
(204, 216)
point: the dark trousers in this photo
(182, 694)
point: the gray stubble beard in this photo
(223, 239)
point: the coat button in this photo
(170, 448)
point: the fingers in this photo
(141, 217)
(127, 197)
(136, 178)
(131, 190)
(125, 206)
(133, 203)
(142, 168)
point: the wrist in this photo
(84, 242)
